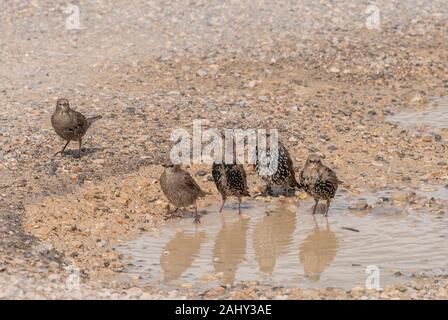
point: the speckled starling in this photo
(180, 188)
(282, 180)
(69, 124)
(230, 180)
(319, 181)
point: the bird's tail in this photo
(93, 119)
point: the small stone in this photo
(134, 292)
(251, 84)
(302, 196)
(416, 98)
(361, 205)
(202, 73)
(335, 70)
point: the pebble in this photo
(402, 196)
(361, 205)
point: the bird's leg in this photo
(171, 214)
(328, 207)
(80, 144)
(239, 205)
(197, 217)
(268, 191)
(315, 206)
(223, 203)
(63, 149)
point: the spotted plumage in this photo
(230, 180)
(69, 124)
(279, 181)
(180, 188)
(319, 181)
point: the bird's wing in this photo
(330, 175)
(242, 172)
(291, 168)
(240, 168)
(190, 182)
(289, 163)
(77, 124)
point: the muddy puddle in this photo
(436, 192)
(434, 116)
(282, 244)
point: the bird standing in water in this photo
(69, 124)
(282, 180)
(230, 180)
(180, 188)
(319, 181)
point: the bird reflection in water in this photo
(272, 236)
(318, 251)
(230, 248)
(179, 253)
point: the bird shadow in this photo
(73, 153)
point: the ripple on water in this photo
(289, 247)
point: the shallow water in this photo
(288, 247)
(436, 192)
(434, 116)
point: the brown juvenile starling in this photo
(180, 188)
(282, 180)
(69, 124)
(230, 180)
(319, 181)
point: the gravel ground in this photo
(311, 69)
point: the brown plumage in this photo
(282, 180)
(180, 189)
(319, 181)
(69, 124)
(231, 181)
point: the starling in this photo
(180, 188)
(283, 180)
(230, 180)
(69, 124)
(319, 181)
